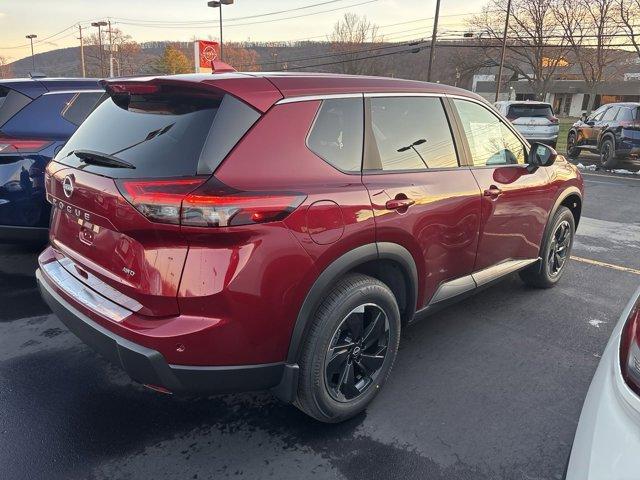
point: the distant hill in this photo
(453, 65)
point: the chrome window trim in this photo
(66, 92)
(403, 94)
(311, 98)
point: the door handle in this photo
(492, 192)
(399, 203)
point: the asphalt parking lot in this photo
(489, 389)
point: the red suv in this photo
(238, 232)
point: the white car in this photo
(607, 441)
(534, 120)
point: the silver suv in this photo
(534, 120)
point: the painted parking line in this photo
(617, 176)
(606, 265)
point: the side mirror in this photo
(540, 155)
(583, 117)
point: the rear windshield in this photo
(11, 102)
(517, 111)
(80, 106)
(162, 135)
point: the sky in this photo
(55, 21)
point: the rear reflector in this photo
(22, 145)
(630, 350)
(196, 203)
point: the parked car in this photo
(607, 440)
(612, 131)
(534, 120)
(37, 117)
(216, 233)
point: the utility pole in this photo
(432, 51)
(84, 71)
(110, 51)
(100, 25)
(504, 47)
(33, 58)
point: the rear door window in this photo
(80, 106)
(625, 115)
(162, 135)
(412, 133)
(337, 133)
(517, 111)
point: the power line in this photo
(408, 50)
(337, 54)
(193, 22)
(214, 24)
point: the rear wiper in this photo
(103, 159)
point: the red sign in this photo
(207, 52)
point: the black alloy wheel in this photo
(559, 248)
(356, 352)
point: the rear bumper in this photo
(553, 139)
(13, 234)
(149, 367)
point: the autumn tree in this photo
(245, 59)
(173, 61)
(532, 51)
(590, 27)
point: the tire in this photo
(555, 252)
(608, 157)
(322, 393)
(572, 151)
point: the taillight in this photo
(22, 145)
(196, 203)
(159, 200)
(630, 350)
(552, 119)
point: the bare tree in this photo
(590, 27)
(629, 14)
(529, 52)
(350, 35)
(125, 53)
(5, 69)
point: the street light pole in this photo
(504, 47)
(100, 25)
(432, 50)
(218, 4)
(33, 58)
(110, 50)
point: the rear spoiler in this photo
(258, 92)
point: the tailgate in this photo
(104, 242)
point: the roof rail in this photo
(37, 75)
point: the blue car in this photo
(612, 131)
(37, 117)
